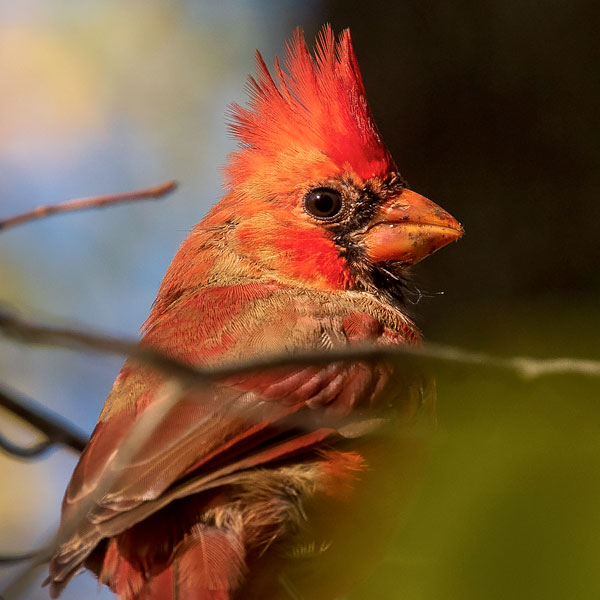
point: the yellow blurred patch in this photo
(48, 91)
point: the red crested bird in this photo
(308, 250)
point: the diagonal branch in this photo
(21, 330)
(24, 331)
(55, 429)
(87, 203)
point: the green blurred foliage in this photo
(508, 506)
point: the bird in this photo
(309, 250)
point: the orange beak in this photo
(408, 228)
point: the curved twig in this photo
(54, 428)
(25, 451)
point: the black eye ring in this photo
(323, 203)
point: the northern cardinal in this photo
(308, 250)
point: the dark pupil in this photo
(323, 203)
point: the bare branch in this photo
(87, 203)
(54, 428)
(24, 331)
(16, 328)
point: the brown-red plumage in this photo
(240, 478)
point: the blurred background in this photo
(489, 108)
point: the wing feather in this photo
(224, 429)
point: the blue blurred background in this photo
(488, 109)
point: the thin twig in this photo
(167, 398)
(19, 329)
(87, 203)
(55, 429)
(28, 452)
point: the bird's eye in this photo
(323, 203)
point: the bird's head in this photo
(314, 195)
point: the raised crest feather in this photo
(312, 104)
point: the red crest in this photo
(314, 104)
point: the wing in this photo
(224, 429)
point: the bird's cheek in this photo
(302, 254)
